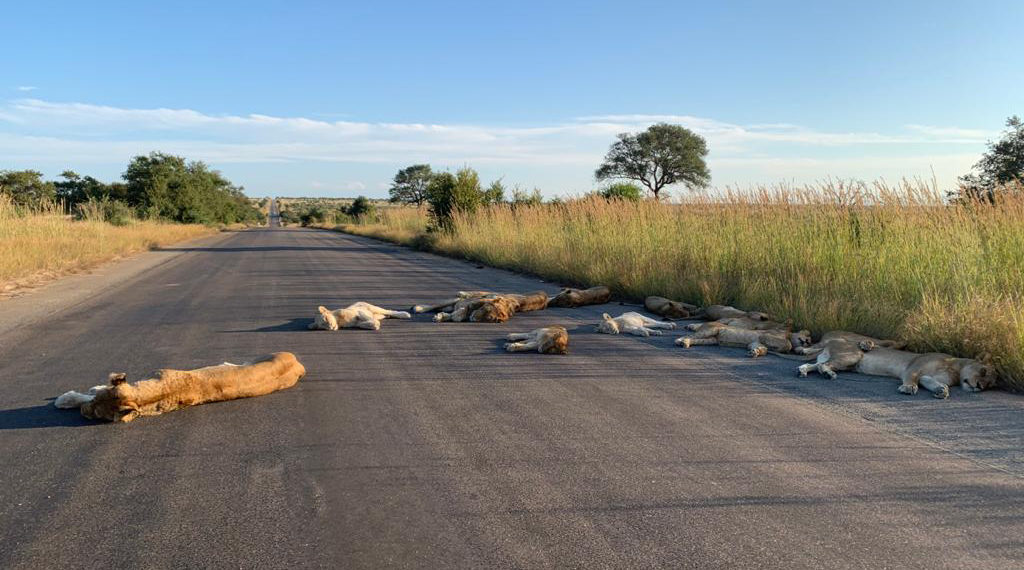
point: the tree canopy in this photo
(410, 184)
(662, 155)
(26, 187)
(1002, 164)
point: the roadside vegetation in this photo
(40, 243)
(941, 270)
(51, 227)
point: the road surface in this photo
(425, 445)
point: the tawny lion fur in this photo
(936, 371)
(355, 316)
(758, 342)
(719, 312)
(573, 298)
(632, 323)
(547, 340)
(485, 307)
(120, 401)
(668, 308)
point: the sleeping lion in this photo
(632, 323)
(936, 371)
(668, 308)
(573, 298)
(719, 312)
(485, 307)
(758, 342)
(355, 316)
(548, 340)
(120, 401)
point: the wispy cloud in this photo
(39, 131)
(26, 88)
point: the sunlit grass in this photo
(880, 260)
(44, 243)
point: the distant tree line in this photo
(999, 169)
(154, 186)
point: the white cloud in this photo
(34, 131)
(26, 88)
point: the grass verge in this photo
(885, 261)
(36, 247)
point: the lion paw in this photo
(670, 326)
(802, 371)
(402, 315)
(908, 389)
(692, 326)
(942, 394)
(654, 332)
(684, 341)
(756, 352)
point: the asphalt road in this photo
(425, 445)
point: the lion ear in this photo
(323, 310)
(606, 317)
(117, 378)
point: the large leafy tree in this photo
(410, 184)
(26, 187)
(662, 155)
(1002, 164)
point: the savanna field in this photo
(894, 262)
(40, 243)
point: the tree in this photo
(495, 193)
(523, 198)
(361, 206)
(622, 191)
(166, 186)
(664, 154)
(448, 194)
(75, 189)
(410, 184)
(1002, 164)
(26, 187)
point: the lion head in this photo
(801, 338)
(111, 404)
(608, 325)
(977, 376)
(496, 310)
(325, 320)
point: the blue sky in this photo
(326, 98)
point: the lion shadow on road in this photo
(42, 416)
(299, 324)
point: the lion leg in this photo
(519, 336)
(438, 307)
(647, 331)
(693, 326)
(909, 385)
(442, 317)
(938, 389)
(688, 341)
(528, 346)
(368, 324)
(638, 331)
(660, 325)
(393, 314)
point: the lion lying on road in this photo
(757, 342)
(838, 338)
(719, 312)
(485, 307)
(355, 316)
(120, 401)
(548, 340)
(936, 371)
(668, 308)
(632, 323)
(573, 298)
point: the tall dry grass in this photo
(42, 243)
(880, 260)
(404, 225)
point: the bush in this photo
(622, 191)
(448, 194)
(360, 207)
(114, 212)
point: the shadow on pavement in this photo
(43, 416)
(292, 325)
